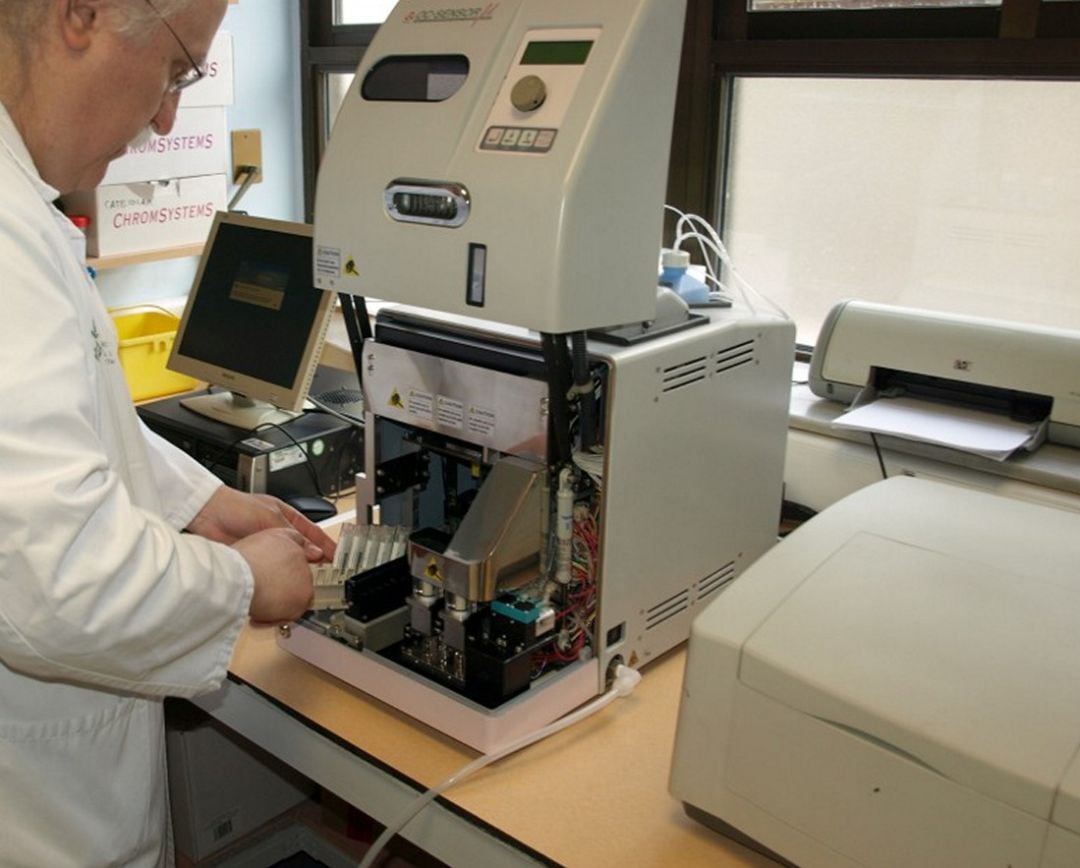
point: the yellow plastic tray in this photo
(146, 338)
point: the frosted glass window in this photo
(362, 11)
(337, 87)
(959, 196)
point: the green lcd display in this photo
(567, 53)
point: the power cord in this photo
(224, 452)
(625, 680)
(249, 174)
(880, 457)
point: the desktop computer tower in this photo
(314, 454)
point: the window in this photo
(955, 195)
(916, 156)
(362, 11)
(337, 87)
(335, 34)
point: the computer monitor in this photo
(254, 323)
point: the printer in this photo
(897, 683)
(1024, 371)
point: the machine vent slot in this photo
(684, 374)
(698, 369)
(735, 356)
(669, 608)
(716, 582)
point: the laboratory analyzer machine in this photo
(562, 464)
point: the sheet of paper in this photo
(975, 431)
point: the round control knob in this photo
(529, 93)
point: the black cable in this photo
(358, 328)
(322, 407)
(583, 384)
(225, 450)
(352, 447)
(559, 371)
(880, 459)
(307, 458)
(357, 323)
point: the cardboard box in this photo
(150, 215)
(217, 87)
(198, 144)
(221, 789)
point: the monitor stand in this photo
(237, 410)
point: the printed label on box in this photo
(196, 145)
(129, 218)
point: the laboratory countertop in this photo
(592, 795)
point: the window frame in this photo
(724, 39)
(1031, 39)
(325, 48)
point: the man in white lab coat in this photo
(105, 607)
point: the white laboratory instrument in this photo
(502, 168)
(683, 496)
(506, 162)
(897, 683)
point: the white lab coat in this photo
(105, 607)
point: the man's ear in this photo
(79, 19)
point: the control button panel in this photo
(538, 89)
(518, 139)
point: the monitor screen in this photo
(254, 322)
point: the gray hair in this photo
(137, 19)
(21, 20)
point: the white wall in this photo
(266, 59)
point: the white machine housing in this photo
(692, 482)
(859, 338)
(547, 217)
(897, 683)
(503, 167)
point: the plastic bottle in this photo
(81, 221)
(674, 265)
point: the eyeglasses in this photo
(193, 73)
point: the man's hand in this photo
(283, 586)
(230, 516)
(278, 543)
